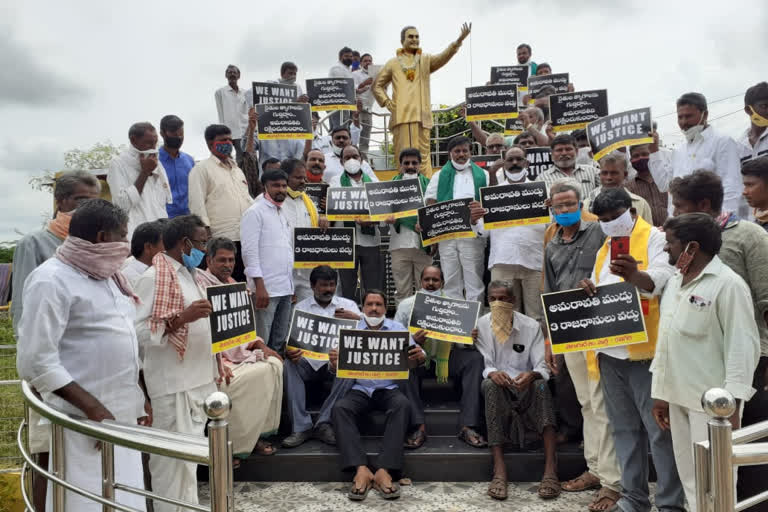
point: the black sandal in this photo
(468, 434)
(416, 440)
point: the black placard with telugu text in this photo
(284, 121)
(517, 75)
(400, 198)
(448, 220)
(491, 102)
(514, 204)
(444, 318)
(334, 247)
(574, 110)
(331, 94)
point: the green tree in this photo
(97, 157)
(452, 122)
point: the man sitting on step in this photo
(450, 360)
(297, 370)
(515, 389)
(364, 396)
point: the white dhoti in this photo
(177, 412)
(463, 264)
(256, 392)
(83, 469)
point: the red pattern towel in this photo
(168, 302)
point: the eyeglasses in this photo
(199, 243)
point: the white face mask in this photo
(336, 150)
(516, 176)
(458, 166)
(693, 132)
(437, 292)
(620, 226)
(582, 157)
(352, 166)
(373, 321)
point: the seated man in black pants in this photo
(364, 396)
(444, 359)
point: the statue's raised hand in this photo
(466, 28)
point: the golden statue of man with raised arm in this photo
(410, 104)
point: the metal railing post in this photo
(107, 473)
(701, 468)
(720, 405)
(57, 463)
(217, 407)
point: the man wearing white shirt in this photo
(341, 70)
(218, 191)
(298, 370)
(137, 181)
(368, 258)
(707, 338)
(516, 394)
(408, 256)
(340, 139)
(302, 213)
(703, 148)
(232, 107)
(267, 238)
(83, 363)
(517, 253)
(147, 241)
(754, 140)
(462, 260)
(175, 337)
(624, 370)
(363, 83)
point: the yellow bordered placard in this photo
(569, 127)
(498, 115)
(513, 132)
(233, 342)
(315, 335)
(360, 374)
(517, 222)
(323, 108)
(308, 354)
(624, 143)
(627, 128)
(285, 136)
(448, 236)
(464, 340)
(597, 343)
(398, 215)
(349, 217)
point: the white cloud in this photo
(97, 68)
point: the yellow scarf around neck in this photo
(308, 204)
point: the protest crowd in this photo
(599, 296)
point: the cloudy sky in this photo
(76, 73)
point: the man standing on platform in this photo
(176, 163)
(410, 103)
(218, 191)
(463, 259)
(232, 107)
(564, 166)
(408, 256)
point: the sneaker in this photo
(296, 439)
(324, 433)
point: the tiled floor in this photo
(422, 497)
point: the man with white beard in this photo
(409, 257)
(565, 166)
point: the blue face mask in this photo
(193, 259)
(569, 218)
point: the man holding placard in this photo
(517, 251)
(409, 258)
(299, 370)
(365, 395)
(179, 368)
(624, 370)
(368, 257)
(515, 389)
(564, 158)
(462, 259)
(449, 359)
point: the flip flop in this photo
(605, 494)
(395, 487)
(418, 437)
(500, 485)
(549, 488)
(584, 482)
(356, 496)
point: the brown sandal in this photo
(264, 448)
(497, 489)
(584, 482)
(605, 495)
(549, 488)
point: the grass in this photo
(11, 403)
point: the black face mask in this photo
(347, 62)
(173, 142)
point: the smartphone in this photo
(619, 245)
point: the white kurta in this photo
(177, 388)
(298, 217)
(61, 341)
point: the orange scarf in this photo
(60, 225)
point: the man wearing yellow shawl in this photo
(301, 213)
(624, 371)
(447, 360)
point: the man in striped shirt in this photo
(564, 158)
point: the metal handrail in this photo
(216, 452)
(716, 459)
